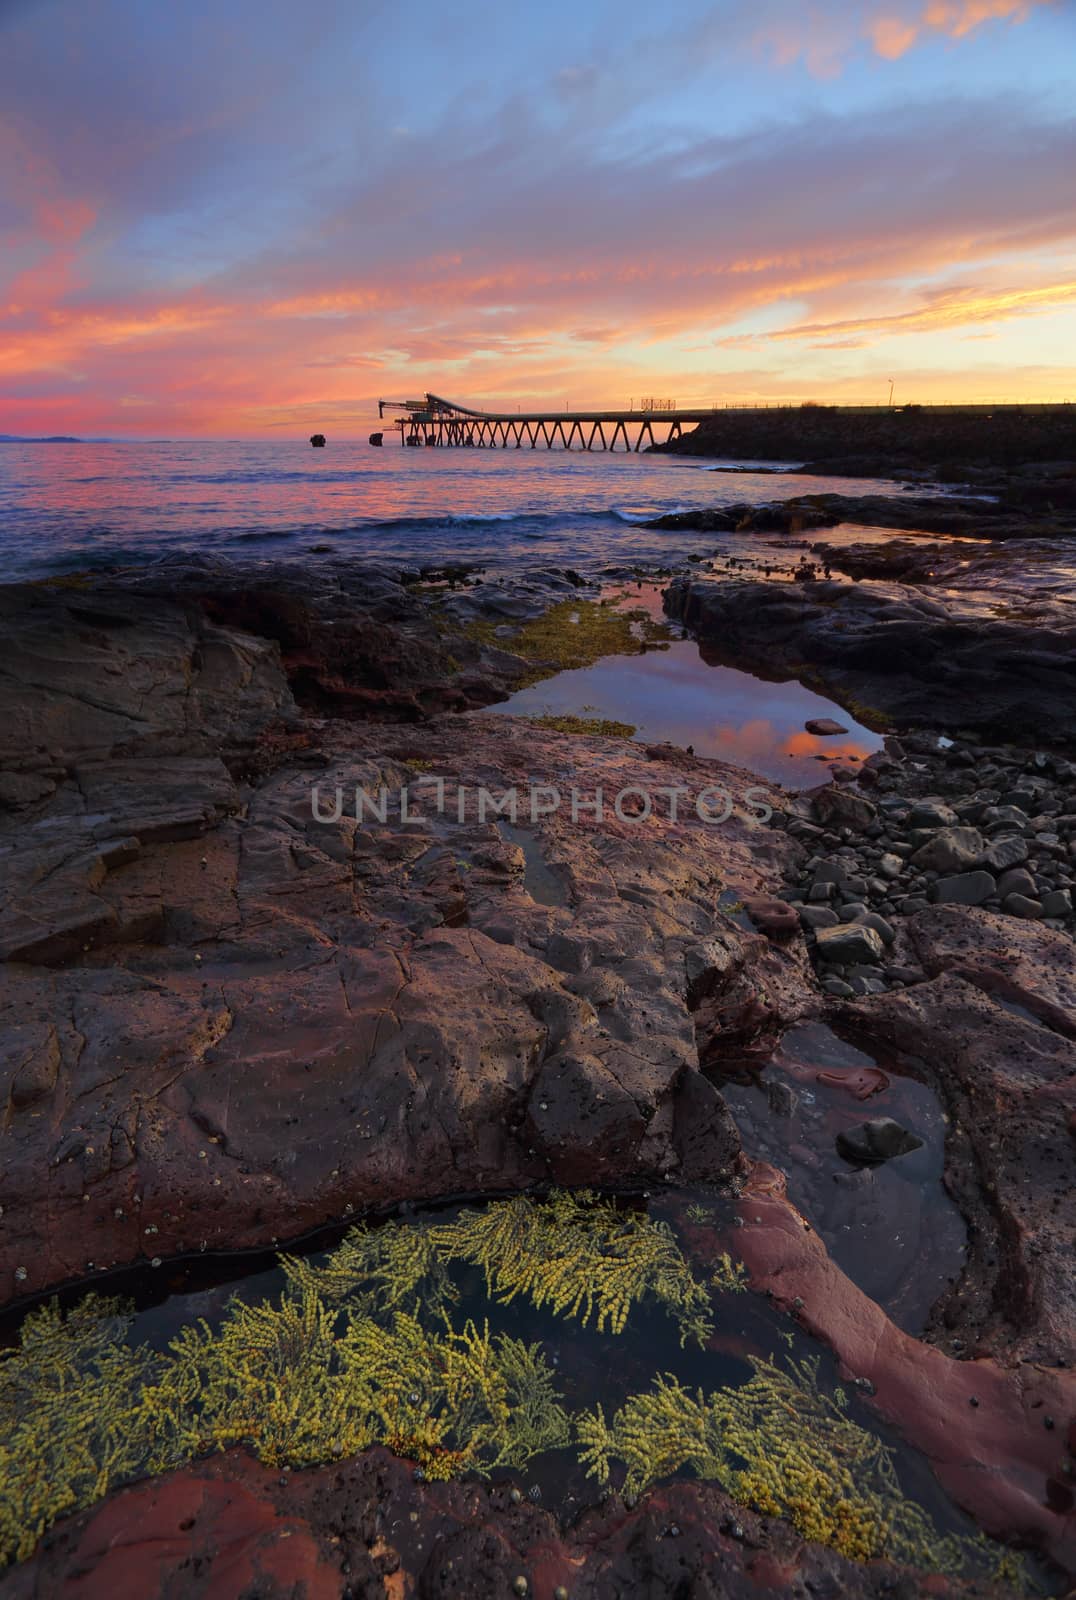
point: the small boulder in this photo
(837, 808)
(880, 1139)
(1057, 903)
(818, 917)
(1022, 905)
(1000, 854)
(872, 919)
(1017, 881)
(950, 850)
(824, 726)
(965, 889)
(931, 814)
(849, 943)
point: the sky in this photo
(251, 218)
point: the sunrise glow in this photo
(242, 223)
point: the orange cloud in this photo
(824, 40)
(959, 17)
(950, 309)
(891, 37)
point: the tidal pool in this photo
(682, 694)
(574, 1344)
(892, 1228)
(676, 696)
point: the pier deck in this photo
(444, 424)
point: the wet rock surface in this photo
(975, 996)
(367, 1528)
(966, 1415)
(224, 1022)
(1015, 516)
(898, 651)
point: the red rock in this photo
(775, 918)
(920, 1391)
(291, 1017)
(229, 1527)
(861, 1082)
(198, 1535)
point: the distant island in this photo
(52, 438)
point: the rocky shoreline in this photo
(226, 1022)
(1029, 452)
(974, 646)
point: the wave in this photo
(467, 519)
(524, 524)
(638, 516)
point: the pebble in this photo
(818, 917)
(1021, 905)
(965, 889)
(849, 942)
(1017, 880)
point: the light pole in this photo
(890, 394)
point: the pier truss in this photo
(445, 425)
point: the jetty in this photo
(443, 424)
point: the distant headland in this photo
(52, 438)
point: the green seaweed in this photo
(574, 633)
(599, 727)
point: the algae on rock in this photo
(783, 1446)
(362, 1348)
(575, 633)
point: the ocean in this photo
(80, 507)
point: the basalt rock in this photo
(891, 650)
(225, 1020)
(877, 443)
(366, 1527)
(993, 1031)
(880, 1139)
